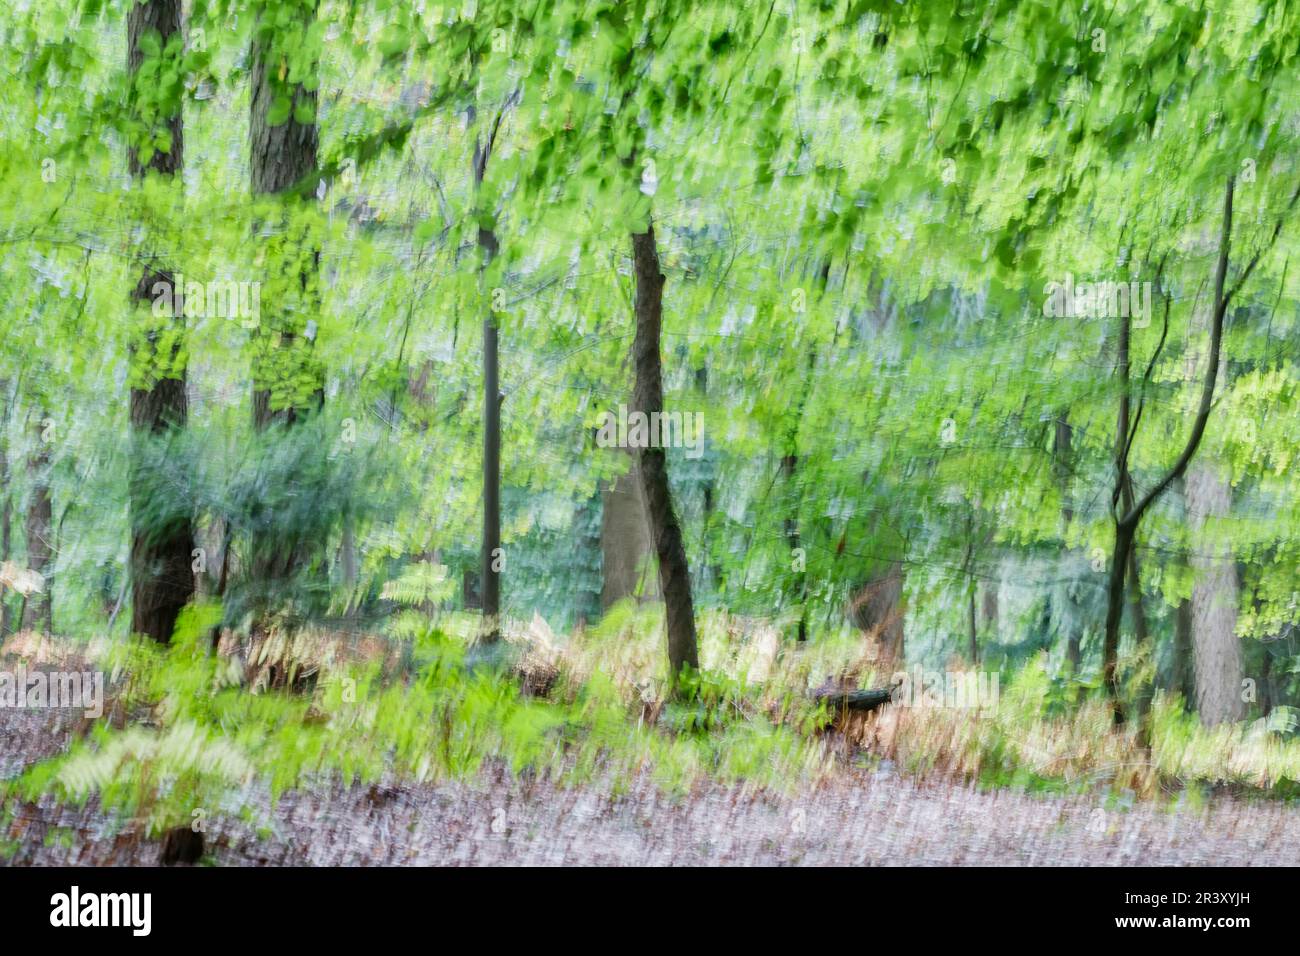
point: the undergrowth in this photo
(193, 736)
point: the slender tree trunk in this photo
(1183, 679)
(989, 606)
(790, 468)
(973, 625)
(789, 465)
(1214, 604)
(491, 556)
(1130, 515)
(348, 563)
(1117, 575)
(38, 609)
(162, 534)
(713, 577)
(648, 398)
(6, 498)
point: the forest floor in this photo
(858, 818)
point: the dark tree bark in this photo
(648, 398)
(989, 606)
(712, 579)
(162, 536)
(1182, 681)
(1128, 517)
(790, 468)
(973, 628)
(281, 157)
(491, 555)
(282, 161)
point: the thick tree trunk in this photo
(282, 162)
(281, 159)
(162, 538)
(162, 535)
(38, 608)
(1214, 604)
(648, 398)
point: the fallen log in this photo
(859, 700)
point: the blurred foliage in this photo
(858, 207)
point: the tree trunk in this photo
(973, 625)
(282, 161)
(6, 502)
(1118, 574)
(491, 557)
(1214, 604)
(624, 540)
(1129, 517)
(162, 541)
(789, 465)
(1183, 680)
(162, 535)
(38, 608)
(280, 157)
(712, 579)
(989, 607)
(648, 398)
